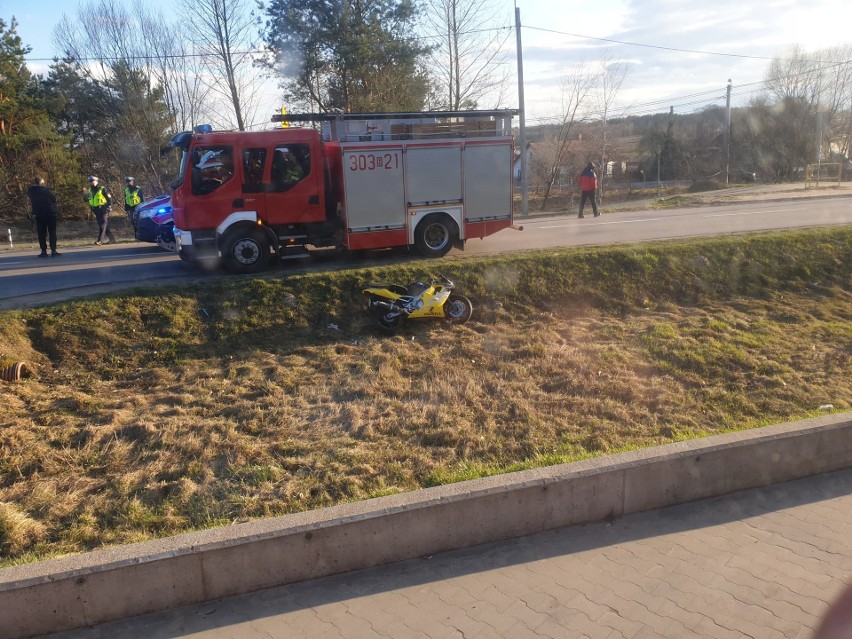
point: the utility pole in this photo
(521, 117)
(819, 126)
(659, 184)
(603, 147)
(728, 133)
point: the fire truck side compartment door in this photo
(434, 174)
(488, 181)
(374, 187)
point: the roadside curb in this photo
(126, 581)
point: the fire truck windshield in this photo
(184, 158)
(212, 166)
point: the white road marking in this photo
(744, 213)
(657, 219)
(123, 255)
(644, 219)
(601, 222)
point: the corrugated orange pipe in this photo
(15, 372)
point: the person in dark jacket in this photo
(100, 201)
(588, 182)
(45, 212)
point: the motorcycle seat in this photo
(394, 288)
(416, 288)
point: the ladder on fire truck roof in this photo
(362, 127)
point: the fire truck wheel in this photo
(245, 250)
(434, 236)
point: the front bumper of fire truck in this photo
(195, 246)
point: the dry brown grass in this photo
(131, 431)
(69, 232)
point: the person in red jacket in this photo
(588, 182)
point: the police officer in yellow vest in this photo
(100, 201)
(132, 198)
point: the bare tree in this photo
(223, 33)
(576, 87)
(819, 84)
(130, 117)
(836, 99)
(610, 79)
(171, 62)
(470, 61)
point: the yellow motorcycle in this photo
(392, 304)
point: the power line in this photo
(134, 58)
(486, 30)
(645, 107)
(682, 97)
(655, 46)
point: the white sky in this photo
(558, 34)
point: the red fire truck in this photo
(355, 181)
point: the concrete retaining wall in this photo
(125, 581)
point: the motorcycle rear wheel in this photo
(387, 321)
(458, 309)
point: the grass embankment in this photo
(153, 414)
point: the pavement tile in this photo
(453, 593)
(520, 631)
(577, 623)
(601, 599)
(468, 627)
(526, 615)
(644, 607)
(625, 626)
(494, 596)
(302, 623)
(456, 620)
(563, 597)
(342, 618)
(808, 539)
(738, 578)
(494, 617)
(539, 601)
(791, 576)
(551, 629)
(382, 619)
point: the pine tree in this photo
(352, 55)
(29, 145)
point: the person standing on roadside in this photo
(588, 182)
(100, 201)
(45, 212)
(132, 198)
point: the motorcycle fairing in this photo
(429, 303)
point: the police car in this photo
(154, 222)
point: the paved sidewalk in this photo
(761, 563)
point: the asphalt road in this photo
(26, 280)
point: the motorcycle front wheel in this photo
(458, 309)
